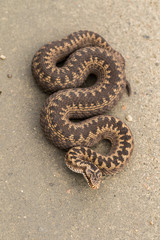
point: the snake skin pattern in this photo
(84, 52)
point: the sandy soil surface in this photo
(40, 198)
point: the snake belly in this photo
(85, 52)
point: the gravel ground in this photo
(40, 199)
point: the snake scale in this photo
(84, 52)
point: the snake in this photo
(75, 118)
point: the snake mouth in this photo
(93, 181)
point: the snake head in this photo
(93, 176)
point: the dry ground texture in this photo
(40, 199)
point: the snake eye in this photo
(93, 177)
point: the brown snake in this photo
(85, 52)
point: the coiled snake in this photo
(85, 53)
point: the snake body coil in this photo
(85, 53)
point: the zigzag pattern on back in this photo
(85, 53)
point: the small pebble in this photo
(124, 107)
(129, 118)
(69, 191)
(51, 184)
(146, 186)
(2, 57)
(146, 36)
(151, 222)
(9, 75)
